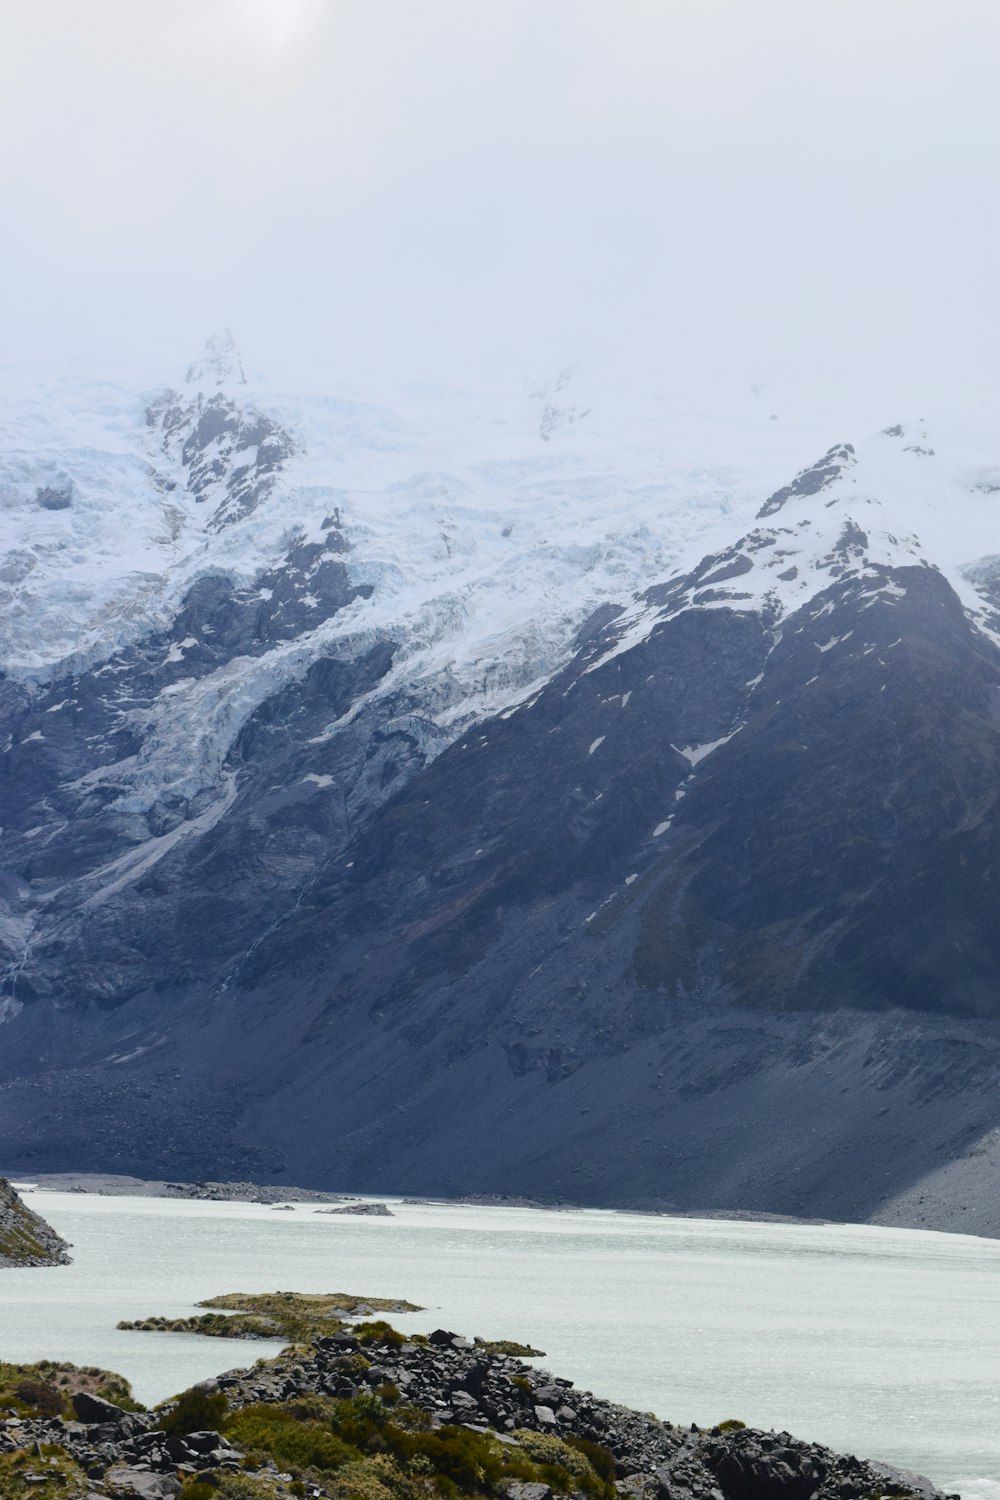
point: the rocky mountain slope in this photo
(414, 834)
(25, 1239)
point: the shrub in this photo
(294, 1442)
(377, 1332)
(359, 1419)
(64, 1475)
(45, 1388)
(197, 1489)
(42, 1396)
(196, 1411)
(243, 1487)
(467, 1459)
(310, 1404)
(601, 1461)
(378, 1478)
(572, 1463)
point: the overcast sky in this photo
(746, 185)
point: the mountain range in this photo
(545, 793)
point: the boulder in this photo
(140, 1484)
(901, 1479)
(93, 1409)
(205, 1442)
(472, 1379)
(55, 496)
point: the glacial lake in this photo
(880, 1342)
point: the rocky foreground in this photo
(26, 1239)
(369, 1415)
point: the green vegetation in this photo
(600, 1460)
(196, 1411)
(46, 1389)
(296, 1317)
(371, 1446)
(360, 1449)
(314, 1304)
(589, 1467)
(378, 1332)
(25, 1239)
(197, 1489)
(238, 1487)
(292, 1438)
(22, 1471)
(18, 1242)
(211, 1325)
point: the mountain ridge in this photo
(596, 912)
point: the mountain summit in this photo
(219, 363)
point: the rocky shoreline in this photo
(111, 1185)
(25, 1238)
(453, 1385)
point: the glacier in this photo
(483, 529)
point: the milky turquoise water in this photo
(880, 1342)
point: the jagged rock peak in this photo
(818, 476)
(219, 364)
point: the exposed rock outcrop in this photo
(26, 1239)
(361, 1210)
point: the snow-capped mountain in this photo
(499, 792)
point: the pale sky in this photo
(418, 185)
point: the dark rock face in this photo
(55, 496)
(216, 441)
(841, 847)
(709, 922)
(26, 1239)
(817, 477)
(85, 812)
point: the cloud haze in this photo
(703, 185)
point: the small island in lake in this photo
(362, 1210)
(295, 1317)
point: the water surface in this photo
(881, 1342)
